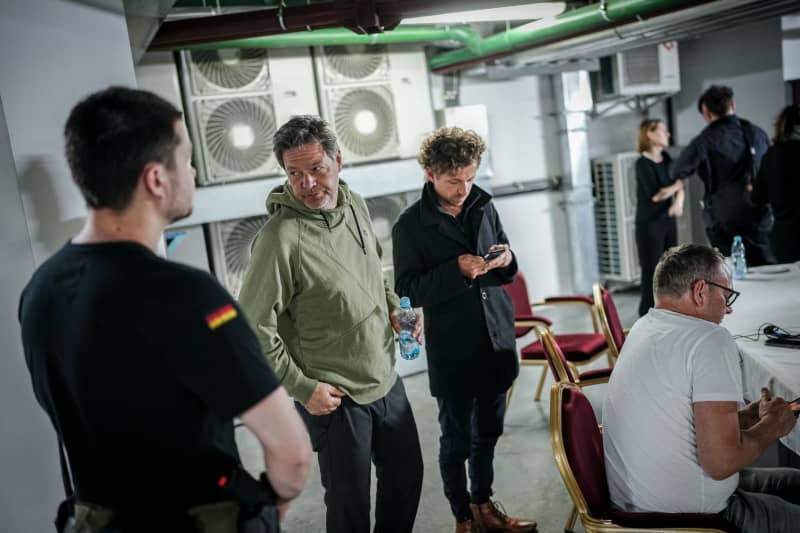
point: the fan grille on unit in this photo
(355, 61)
(239, 134)
(364, 121)
(384, 212)
(237, 236)
(230, 68)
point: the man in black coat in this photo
(442, 261)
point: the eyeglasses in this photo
(732, 294)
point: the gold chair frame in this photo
(597, 295)
(538, 327)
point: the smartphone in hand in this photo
(495, 251)
(795, 405)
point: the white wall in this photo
(524, 145)
(536, 227)
(523, 133)
(52, 53)
(747, 59)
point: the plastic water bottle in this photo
(409, 347)
(738, 258)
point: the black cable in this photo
(769, 330)
(754, 336)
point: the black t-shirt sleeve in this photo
(690, 160)
(213, 350)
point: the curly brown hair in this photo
(449, 149)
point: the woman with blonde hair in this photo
(656, 227)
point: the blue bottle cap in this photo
(405, 303)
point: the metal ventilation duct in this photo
(683, 24)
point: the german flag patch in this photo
(221, 316)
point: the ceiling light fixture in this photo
(526, 11)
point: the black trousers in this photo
(470, 429)
(347, 441)
(652, 240)
(755, 239)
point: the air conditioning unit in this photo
(230, 243)
(614, 180)
(362, 87)
(384, 212)
(187, 245)
(646, 70)
(237, 98)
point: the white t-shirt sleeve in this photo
(714, 369)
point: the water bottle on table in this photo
(409, 347)
(738, 258)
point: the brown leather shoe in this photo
(491, 518)
(467, 526)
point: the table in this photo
(769, 294)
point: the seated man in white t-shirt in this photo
(675, 438)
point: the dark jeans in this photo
(470, 429)
(347, 441)
(767, 499)
(652, 239)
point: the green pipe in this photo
(578, 21)
(342, 36)
(243, 3)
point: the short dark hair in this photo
(787, 122)
(717, 99)
(111, 135)
(449, 149)
(304, 129)
(680, 266)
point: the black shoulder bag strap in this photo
(747, 133)
(66, 509)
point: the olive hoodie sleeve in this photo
(267, 291)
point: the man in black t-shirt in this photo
(141, 363)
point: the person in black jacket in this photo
(778, 184)
(726, 155)
(656, 228)
(440, 246)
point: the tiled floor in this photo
(526, 479)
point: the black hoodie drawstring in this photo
(322, 214)
(358, 227)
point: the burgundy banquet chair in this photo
(578, 348)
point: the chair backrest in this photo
(609, 319)
(555, 358)
(578, 450)
(518, 291)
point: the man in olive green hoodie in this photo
(315, 294)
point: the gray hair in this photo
(301, 130)
(681, 266)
